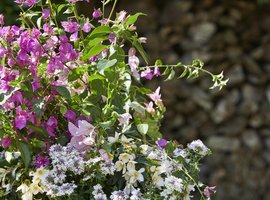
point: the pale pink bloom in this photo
(133, 62)
(149, 107)
(124, 119)
(83, 136)
(156, 97)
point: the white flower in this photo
(35, 188)
(41, 174)
(124, 139)
(157, 180)
(135, 176)
(23, 187)
(119, 166)
(114, 139)
(144, 149)
(125, 158)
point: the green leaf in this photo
(100, 29)
(60, 7)
(93, 51)
(64, 92)
(95, 77)
(104, 64)
(139, 47)
(36, 129)
(143, 128)
(184, 73)
(96, 41)
(171, 75)
(26, 153)
(131, 19)
(158, 62)
(137, 107)
(38, 107)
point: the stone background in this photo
(229, 35)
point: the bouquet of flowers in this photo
(76, 122)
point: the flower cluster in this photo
(75, 120)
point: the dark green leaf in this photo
(64, 92)
(131, 19)
(26, 153)
(93, 51)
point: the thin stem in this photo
(77, 19)
(113, 8)
(53, 16)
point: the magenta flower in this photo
(46, 13)
(51, 125)
(2, 19)
(36, 84)
(42, 161)
(97, 13)
(6, 142)
(156, 97)
(20, 121)
(19, 1)
(70, 26)
(70, 115)
(17, 97)
(30, 2)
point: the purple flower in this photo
(124, 119)
(19, 1)
(162, 143)
(17, 97)
(112, 38)
(46, 13)
(208, 191)
(2, 19)
(35, 84)
(20, 121)
(70, 115)
(42, 161)
(97, 13)
(51, 124)
(6, 142)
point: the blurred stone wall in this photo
(229, 35)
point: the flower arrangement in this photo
(76, 122)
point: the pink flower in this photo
(156, 71)
(156, 97)
(30, 2)
(6, 142)
(208, 191)
(147, 74)
(70, 115)
(121, 16)
(83, 136)
(133, 62)
(149, 107)
(46, 13)
(97, 13)
(2, 19)
(86, 27)
(70, 26)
